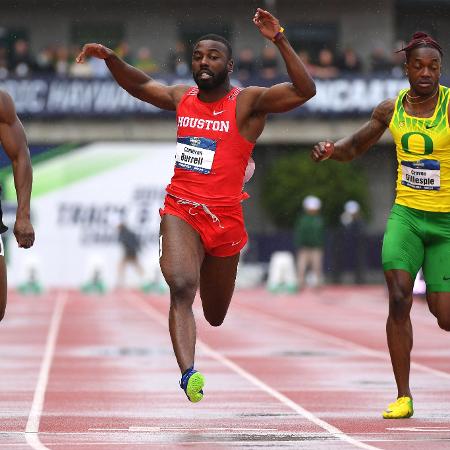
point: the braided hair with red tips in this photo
(420, 39)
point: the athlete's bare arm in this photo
(359, 142)
(133, 80)
(12, 137)
(256, 102)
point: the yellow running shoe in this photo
(192, 383)
(402, 408)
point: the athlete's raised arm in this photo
(12, 137)
(285, 96)
(359, 142)
(133, 80)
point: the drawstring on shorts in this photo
(183, 201)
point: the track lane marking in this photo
(311, 332)
(336, 432)
(34, 417)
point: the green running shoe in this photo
(192, 383)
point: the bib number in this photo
(195, 154)
(423, 175)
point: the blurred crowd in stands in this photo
(324, 65)
(19, 61)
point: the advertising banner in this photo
(78, 201)
(103, 98)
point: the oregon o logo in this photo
(427, 143)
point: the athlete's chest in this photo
(217, 119)
(422, 136)
(423, 150)
(206, 135)
(423, 139)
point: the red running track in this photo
(304, 371)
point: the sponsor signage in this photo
(103, 98)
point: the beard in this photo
(215, 81)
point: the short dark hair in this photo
(217, 38)
(420, 39)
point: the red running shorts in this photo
(221, 229)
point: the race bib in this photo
(423, 174)
(195, 153)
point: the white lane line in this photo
(149, 445)
(201, 430)
(423, 429)
(34, 418)
(182, 429)
(311, 332)
(336, 432)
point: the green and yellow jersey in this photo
(423, 156)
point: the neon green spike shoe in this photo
(192, 383)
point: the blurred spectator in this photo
(45, 60)
(351, 248)
(62, 63)
(326, 68)
(269, 63)
(177, 61)
(246, 64)
(22, 63)
(309, 234)
(379, 61)
(4, 71)
(349, 62)
(145, 61)
(131, 246)
(306, 59)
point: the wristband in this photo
(278, 35)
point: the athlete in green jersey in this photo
(418, 229)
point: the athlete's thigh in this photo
(403, 248)
(217, 279)
(439, 304)
(181, 250)
(436, 264)
(436, 270)
(3, 286)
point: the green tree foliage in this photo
(294, 176)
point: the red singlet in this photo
(210, 162)
(211, 155)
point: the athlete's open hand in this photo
(322, 151)
(267, 24)
(24, 232)
(93, 50)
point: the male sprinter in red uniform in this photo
(14, 143)
(202, 226)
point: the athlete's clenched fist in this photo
(322, 151)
